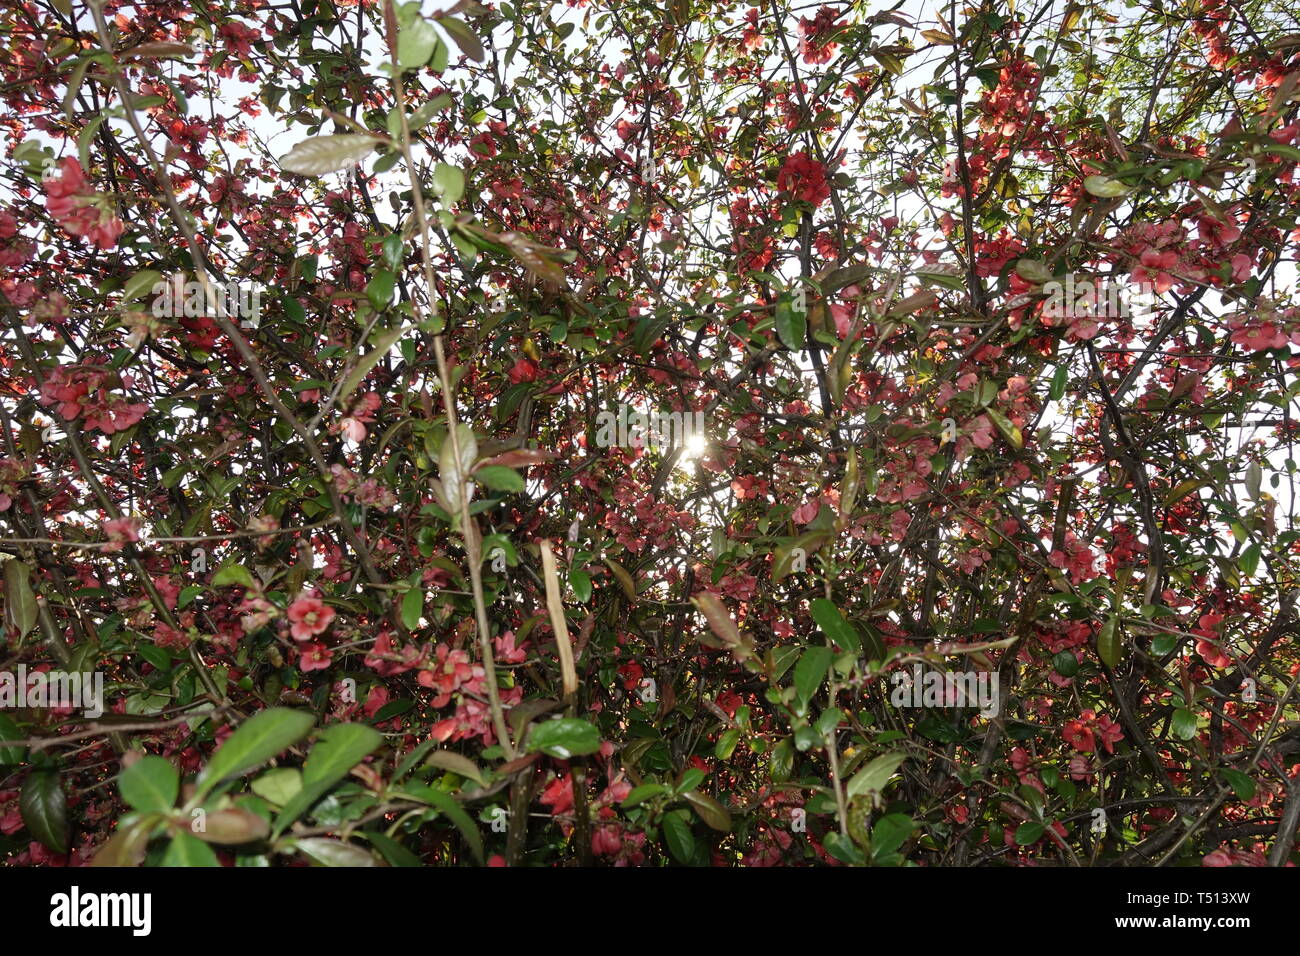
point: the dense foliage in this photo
(537, 433)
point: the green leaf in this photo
(580, 582)
(449, 183)
(834, 626)
(379, 290)
(945, 280)
(20, 600)
(416, 42)
(811, 670)
(1249, 561)
(233, 574)
(1164, 644)
(423, 115)
(448, 807)
(889, 833)
(791, 325)
(1033, 270)
(1065, 663)
(150, 785)
(188, 850)
(1009, 431)
(338, 749)
(457, 764)
(394, 852)
(500, 478)
(1184, 724)
(44, 810)
(564, 737)
(781, 763)
(678, 836)
(709, 810)
(1282, 149)
(320, 155)
(875, 775)
(1103, 187)
(257, 740)
(843, 849)
(1183, 489)
(784, 554)
(639, 795)
(726, 744)
(140, 283)
(1059, 380)
(1254, 477)
(330, 852)
(412, 608)
(691, 778)
(464, 38)
(1110, 644)
(454, 474)
(890, 61)
(10, 756)
(1242, 785)
(278, 786)
(1028, 833)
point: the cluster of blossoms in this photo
(1075, 557)
(361, 414)
(121, 532)
(15, 252)
(1209, 646)
(804, 178)
(448, 672)
(1268, 328)
(814, 43)
(79, 209)
(1082, 734)
(652, 522)
(308, 618)
(82, 391)
(12, 473)
(367, 491)
(1008, 121)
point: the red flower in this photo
(804, 178)
(314, 657)
(309, 617)
(1079, 736)
(121, 531)
(525, 370)
(79, 209)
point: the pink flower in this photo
(314, 657)
(1259, 336)
(506, 652)
(1212, 654)
(121, 532)
(804, 178)
(309, 616)
(1079, 735)
(79, 209)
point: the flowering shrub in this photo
(985, 554)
